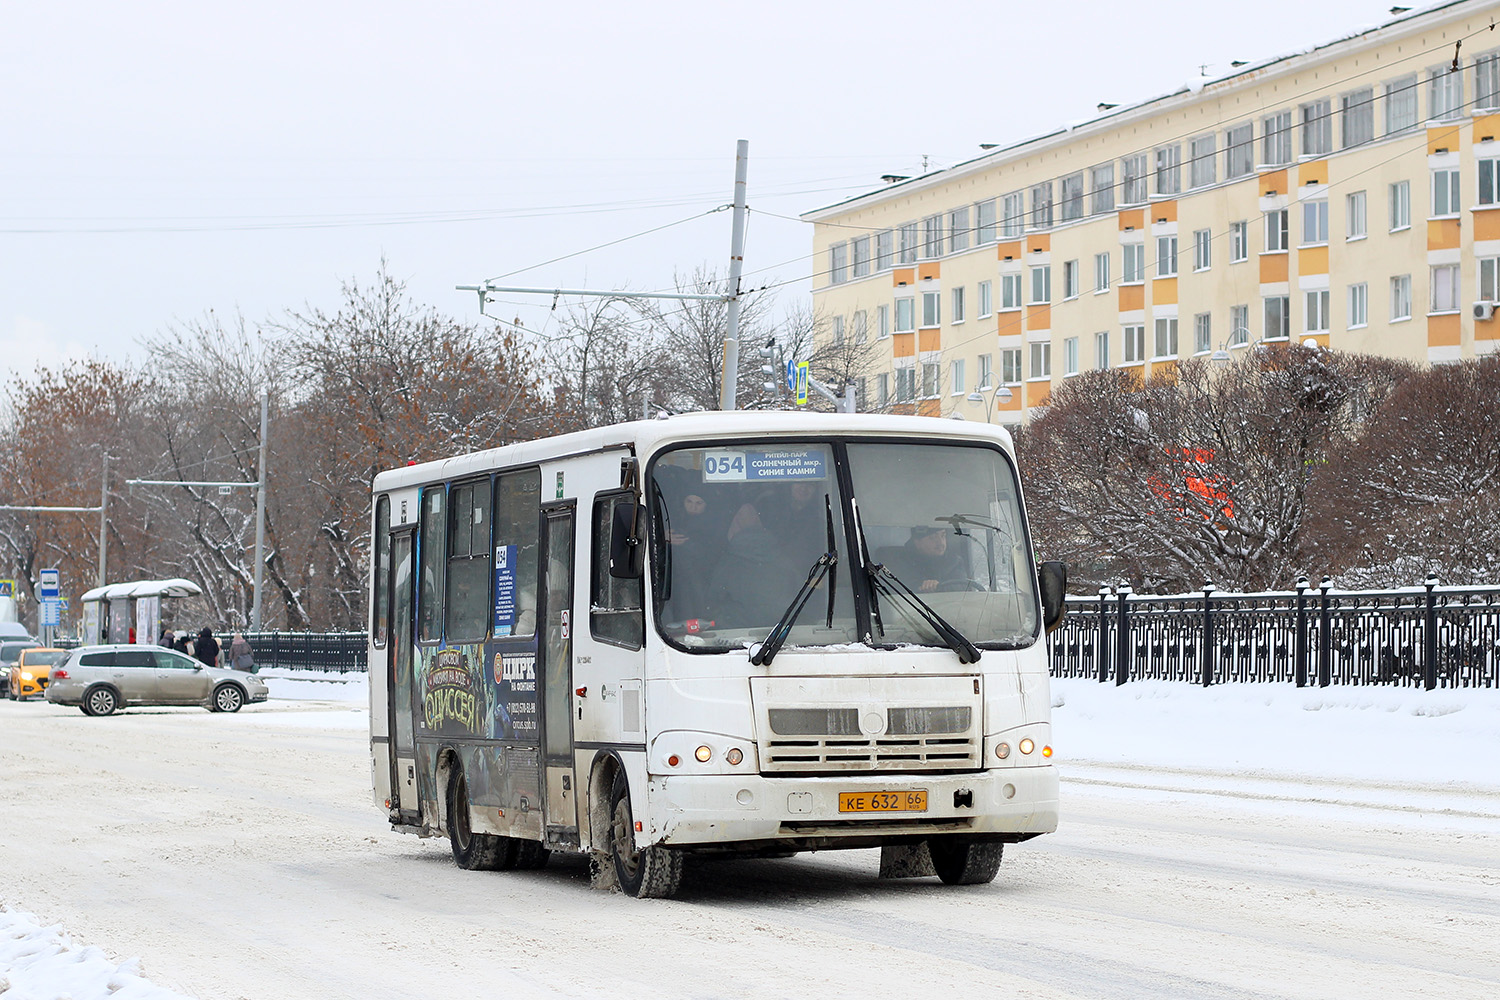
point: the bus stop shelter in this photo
(130, 612)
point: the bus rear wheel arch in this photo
(473, 851)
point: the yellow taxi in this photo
(31, 671)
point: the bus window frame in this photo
(419, 606)
(379, 582)
(485, 484)
(596, 566)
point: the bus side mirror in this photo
(627, 541)
(1053, 580)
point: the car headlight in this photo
(26, 676)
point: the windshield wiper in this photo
(827, 565)
(889, 584)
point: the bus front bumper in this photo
(708, 810)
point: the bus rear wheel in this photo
(473, 851)
(653, 872)
(958, 861)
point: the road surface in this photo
(241, 856)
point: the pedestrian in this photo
(206, 649)
(241, 657)
(166, 638)
(181, 643)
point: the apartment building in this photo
(1348, 196)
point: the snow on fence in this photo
(337, 652)
(1429, 635)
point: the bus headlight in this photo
(1027, 745)
(1002, 750)
(704, 754)
(734, 756)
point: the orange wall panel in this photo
(1132, 218)
(903, 276)
(903, 345)
(1164, 292)
(1037, 393)
(930, 408)
(1039, 241)
(1273, 267)
(1485, 127)
(1010, 324)
(1009, 251)
(1445, 330)
(1487, 225)
(1313, 260)
(1013, 403)
(1273, 183)
(1443, 137)
(1132, 297)
(1038, 317)
(1442, 234)
(930, 269)
(929, 340)
(1164, 370)
(1164, 211)
(1313, 172)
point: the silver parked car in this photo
(103, 679)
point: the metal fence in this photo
(337, 652)
(1430, 636)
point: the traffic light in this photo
(768, 365)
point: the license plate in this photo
(905, 801)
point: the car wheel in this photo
(228, 698)
(473, 851)
(965, 862)
(101, 701)
(653, 872)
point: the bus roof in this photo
(648, 436)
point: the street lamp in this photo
(1238, 337)
(1002, 392)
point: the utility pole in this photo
(103, 519)
(736, 266)
(260, 507)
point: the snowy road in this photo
(240, 856)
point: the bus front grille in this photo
(812, 755)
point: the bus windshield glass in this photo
(739, 530)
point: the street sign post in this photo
(801, 388)
(48, 585)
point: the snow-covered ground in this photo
(1407, 760)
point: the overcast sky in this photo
(161, 159)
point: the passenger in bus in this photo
(793, 512)
(924, 563)
(697, 543)
(751, 586)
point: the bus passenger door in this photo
(399, 682)
(557, 676)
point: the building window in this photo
(1445, 192)
(1317, 128)
(956, 377)
(1072, 197)
(1445, 288)
(1278, 312)
(958, 229)
(1239, 151)
(1489, 279)
(1010, 366)
(837, 268)
(1014, 213)
(1166, 256)
(1070, 279)
(1166, 337)
(1103, 179)
(1135, 344)
(1133, 179)
(859, 254)
(1276, 233)
(1359, 305)
(958, 305)
(882, 321)
(1354, 216)
(1276, 139)
(1357, 118)
(986, 372)
(1239, 241)
(1203, 340)
(1239, 325)
(1487, 81)
(838, 331)
(1317, 311)
(1401, 104)
(984, 221)
(1041, 360)
(906, 385)
(910, 237)
(861, 327)
(1202, 249)
(1070, 356)
(932, 308)
(1133, 256)
(1010, 291)
(1168, 170)
(1201, 171)
(1401, 297)
(1041, 284)
(932, 237)
(986, 300)
(1445, 92)
(931, 383)
(1315, 222)
(1101, 350)
(883, 388)
(1489, 182)
(1041, 205)
(1400, 205)
(884, 256)
(1101, 272)
(906, 315)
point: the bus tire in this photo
(959, 861)
(473, 851)
(531, 855)
(653, 872)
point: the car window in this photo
(175, 661)
(134, 658)
(9, 651)
(42, 657)
(97, 659)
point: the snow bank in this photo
(43, 963)
(316, 685)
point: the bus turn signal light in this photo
(673, 760)
(1046, 751)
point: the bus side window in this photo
(616, 615)
(382, 549)
(468, 562)
(518, 530)
(434, 533)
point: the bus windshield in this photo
(739, 530)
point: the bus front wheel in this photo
(653, 872)
(958, 861)
(473, 851)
